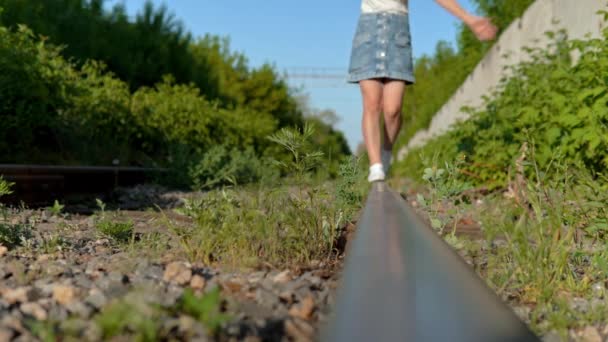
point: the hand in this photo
(483, 28)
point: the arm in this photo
(481, 27)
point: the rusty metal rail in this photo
(39, 184)
(402, 282)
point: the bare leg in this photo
(371, 91)
(392, 103)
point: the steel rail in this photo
(51, 169)
(37, 185)
(402, 282)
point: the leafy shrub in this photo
(33, 83)
(13, 235)
(439, 75)
(559, 106)
(50, 105)
(221, 165)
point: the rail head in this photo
(402, 282)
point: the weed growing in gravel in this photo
(205, 309)
(135, 317)
(13, 235)
(298, 143)
(5, 187)
(120, 232)
(351, 187)
(46, 331)
(445, 187)
(132, 316)
(57, 208)
(546, 243)
(289, 224)
(52, 243)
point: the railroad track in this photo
(40, 184)
(402, 282)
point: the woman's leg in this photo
(392, 99)
(371, 91)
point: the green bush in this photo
(221, 165)
(179, 114)
(558, 106)
(34, 83)
(438, 76)
(50, 105)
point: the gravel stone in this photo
(6, 334)
(304, 309)
(552, 336)
(64, 294)
(282, 277)
(34, 310)
(79, 309)
(590, 334)
(256, 277)
(96, 299)
(19, 295)
(579, 304)
(312, 279)
(523, 312)
(298, 330)
(197, 282)
(599, 290)
(267, 298)
(178, 272)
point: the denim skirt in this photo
(381, 48)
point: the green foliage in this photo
(305, 157)
(180, 115)
(5, 187)
(205, 309)
(544, 243)
(90, 32)
(33, 85)
(120, 232)
(221, 166)
(351, 185)
(132, 316)
(439, 76)
(558, 106)
(13, 235)
(189, 97)
(57, 208)
(280, 226)
(46, 331)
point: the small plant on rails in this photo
(5, 187)
(120, 232)
(445, 193)
(57, 208)
(298, 143)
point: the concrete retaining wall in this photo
(577, 17)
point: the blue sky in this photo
(313, 33)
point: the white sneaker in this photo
(376, 173)
(387, 158)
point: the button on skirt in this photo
(382, 48)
